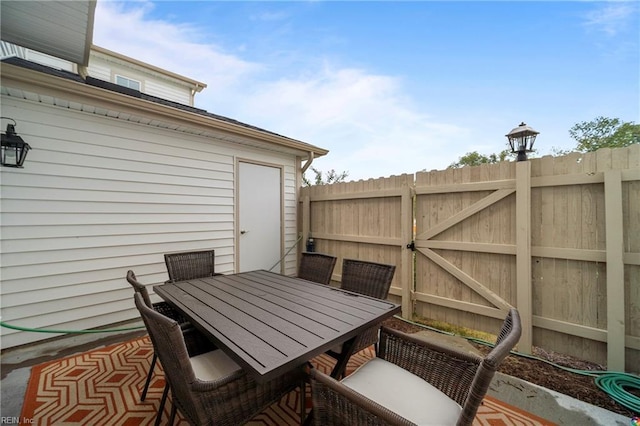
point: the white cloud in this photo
(611, 18)
(366, 120)
(175, 47)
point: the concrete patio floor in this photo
(16, 366)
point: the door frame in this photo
(236, 208)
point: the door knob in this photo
(243, 232)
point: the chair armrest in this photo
(450, 370)
(337, 404)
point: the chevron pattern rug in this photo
(102, 387)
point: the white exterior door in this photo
(259, 217)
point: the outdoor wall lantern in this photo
(14, 149)
(521, 140)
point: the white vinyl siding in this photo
(150, 83)
(49, 61)
(10, 49)
(97, 69)
(99, 196)
(167, 91)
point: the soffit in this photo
(63, 29)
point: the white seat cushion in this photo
(403, 393)
(213, 365)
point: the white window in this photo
(127, 82)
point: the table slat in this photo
(270, 323)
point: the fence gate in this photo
(465, 245)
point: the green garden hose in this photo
(40, 330)
(610, 382)
(614, 384)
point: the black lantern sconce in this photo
(14, 149)
(521, 140)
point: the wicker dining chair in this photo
(368, 278)
(190, 265)
(371, 279)
(195, 340)
(211, 388)
(412, 381)
(316, 267)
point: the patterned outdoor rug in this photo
(102, 387)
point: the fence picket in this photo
(468, 220)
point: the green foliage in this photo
(601, 132)
(331, 177)
(559, 152)
(475, 159)
(455, 329)
(604, 132)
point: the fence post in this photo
(407, 263)
(523, 254)
(306, 220)
(615, 270)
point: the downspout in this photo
(305, 234)
(308, 163)
(193, 95)
(196, 89)
(82, 71)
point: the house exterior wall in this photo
(101, 71)
(106, 65)
(105, 68)
(168, 91)
(10, 49)
(99, 196)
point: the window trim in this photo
(129, 80)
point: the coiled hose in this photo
(614, 384)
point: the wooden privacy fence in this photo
(556, 237)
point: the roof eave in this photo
(57, 28)
(29, 80)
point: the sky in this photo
(391, 87)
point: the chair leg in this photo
(149, 374)
(339, 369)
(174, 409)
(303, 401)
(163, 401)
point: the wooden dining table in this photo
(270, 323)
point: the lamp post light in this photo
(521, 140)
(13, 148)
